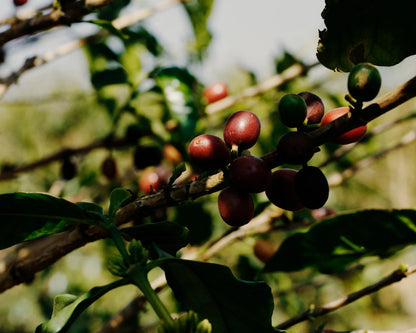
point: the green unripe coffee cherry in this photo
(292, 110)
(364, 82)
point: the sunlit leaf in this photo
(381, 32)
(333, 244)
(26, 216)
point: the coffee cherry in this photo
(215, 92)
(109, 168)
(145, 156)
(19, 2)
(364, 82)
(353, 135)
(153, 179)
(311, 187)
(250, 174)
(264, 250)
(242, 129)
(292, 110)
(296, 147)
(314, 107)
(68, 169)
(172, 154)
(236, 207)
(282, 192)
(208, 152)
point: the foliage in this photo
(169, 234)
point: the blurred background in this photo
(56, 106)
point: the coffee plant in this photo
(209, 207)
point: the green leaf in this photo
(333, 244)
(138, 34)
(109, 76)
(107, 25)
(92, 209)
(178, 85)
(117, 198)
(68, 308)
(211, 290)
(168, 236)
(198, 12)
(26, 216)
(357, 31)
(62, 301)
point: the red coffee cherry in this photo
(351, 136)
(311, 187)
(236, 207)
(208, 152)
(242, 129)
(264, 250)
(153, 179)
(215, 92)
(250, 173)
(296, 147)
(314, 107)
(19, 2)
(109, 168)
(282, 192)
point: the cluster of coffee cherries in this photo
(287, 188)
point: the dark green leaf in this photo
(178, 87)
(92, 209)
(211, 290)
(26, 216)
(117, 198)
(334, 243)
(110, 27)
(198, 12)
(69, 308)
(168, 236)
(112, 9)
(381, 32)
(116, 75)
(138, 34)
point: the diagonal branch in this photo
(313, 312)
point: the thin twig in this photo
(314, 312)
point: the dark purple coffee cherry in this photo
(109, 168)
(208, 152)
(311, 187)
(250, 173)
(236, 207)
(242, 130)
(145, 156)
(68, 169)
(296, 148)
(282, 192)
(314, 107)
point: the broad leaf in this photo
(117, 198)
(211, 290)
(198, 12)
(69, 308)
(168, 236)
(178, 85)
(334, 243)
(26, 216)
(381, 32)
(109, 76)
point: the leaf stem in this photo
(118, 241)
(138, 276)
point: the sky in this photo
(246, 33)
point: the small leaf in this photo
(168, 236)
(211, 290)
(62, 301)
(107, 25)
(66, 314)
(198, 12)
(92, 209)
(26, 216)
(117, 198)
(357, 31)
(178, 87)
(333, 244)
(109, 76)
